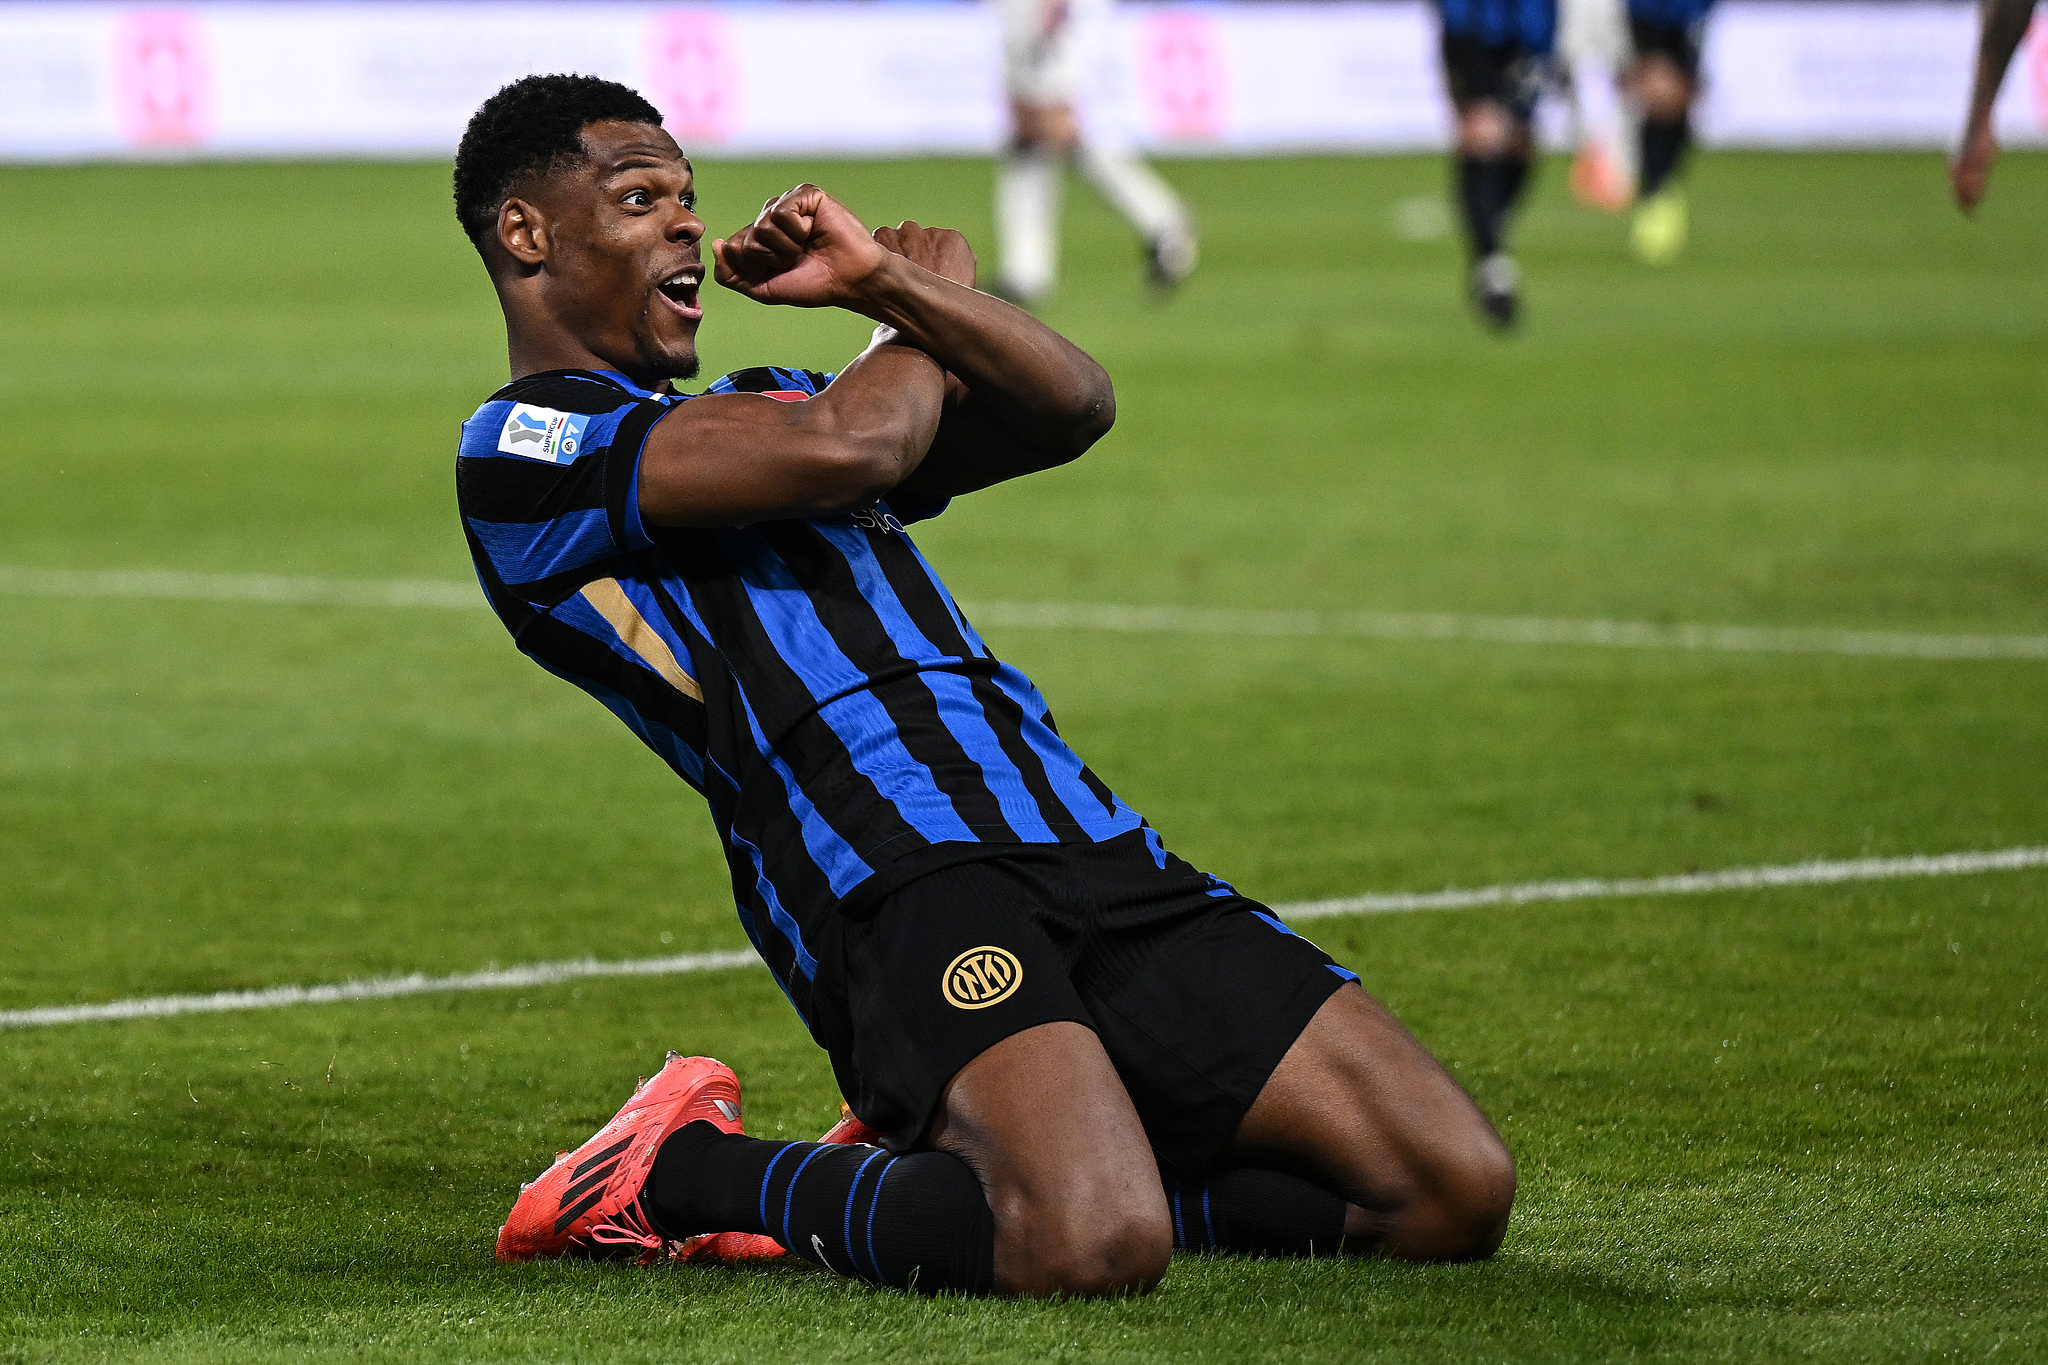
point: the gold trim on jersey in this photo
(609, 600)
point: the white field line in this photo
(1523, 893)
(379, 988)
(1688, 884)
(1380, 625)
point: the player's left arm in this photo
(1020, 397)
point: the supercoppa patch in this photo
(543, 434)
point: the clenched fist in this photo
(942, 251)
(806, 249)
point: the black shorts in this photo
(1508, 73)
(1679, 42)
(1195, 991)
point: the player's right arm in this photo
(735, 459)
(2005, 24)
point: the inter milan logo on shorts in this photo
(981, 977)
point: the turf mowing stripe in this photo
(236, 587)
(1508, 630)
(1378, 625)
(1523, 893)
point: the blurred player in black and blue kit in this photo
(1066, 1051)
(1497, 59)
(1663, 82)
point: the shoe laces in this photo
(629, 1228)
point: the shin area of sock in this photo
(1483, 195)
(1028, 194)
(1664, 144)
(1514, 178)
(913, 1222)
(1255, 1212)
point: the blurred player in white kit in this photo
(1593, 44)
(1045, 45)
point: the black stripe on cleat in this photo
(607, 1154)
(595, 1180)
(570, 1215)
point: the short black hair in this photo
(533, 125)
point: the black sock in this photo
(1513, 179)
(1664, 144)
(1487, 188)
(1255, 1212)
(915, 1222)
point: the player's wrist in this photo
(889, 296)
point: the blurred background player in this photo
(1045, 43)
(1593, 47)
(2005, 23)
(1496, 60)
(1662, 83)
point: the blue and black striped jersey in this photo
(1527, 24)
(1689, 14)
(814, 679)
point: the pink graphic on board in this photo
(162, 84)
(1182, 75)
(2037, 68)
(693, 75)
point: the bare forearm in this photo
(885, 408)
(2005, 24)
(1044, 379)
(731, 460)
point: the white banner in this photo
(389, 78)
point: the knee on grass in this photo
(1459, 1202)
(1090, 1254)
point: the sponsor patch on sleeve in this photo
(543, 434)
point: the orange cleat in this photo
(725, 1248)
(1599, 182)
(588, 1203)
(850, 1129)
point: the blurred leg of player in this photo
(1593, 46)
(1495, 62)
(1029, 185)
(1663, 82)
(2003, 25)
(1044, 44)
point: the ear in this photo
(523, 232)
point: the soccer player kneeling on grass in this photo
(1067, 1051)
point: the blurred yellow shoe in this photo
(1658, 233)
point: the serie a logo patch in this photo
(981, 977)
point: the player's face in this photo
(623, 271)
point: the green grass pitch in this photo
(1800, 1123)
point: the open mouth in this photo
(680, 289)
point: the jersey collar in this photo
(630, 387)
